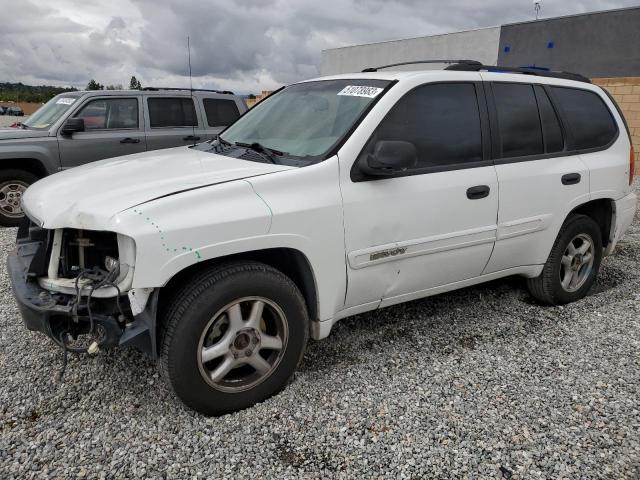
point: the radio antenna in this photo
(193, 127)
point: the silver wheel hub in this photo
(242, 344)
(10, 196)
(577, 262)
(245, 343)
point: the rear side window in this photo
(589, 120)
(441, 120)
(551, 129)
(518, 120)
(220, 113)
(172, 112)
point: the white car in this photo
(333, 197)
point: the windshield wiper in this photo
(218, 143)
(220, 140)
(265, 151)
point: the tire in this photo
(203, 317)
(548, 287)
(13, 182)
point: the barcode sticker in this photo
(360, 91)
(65, 101)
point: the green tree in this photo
(134, 84)
(93, 85)
(115, 87)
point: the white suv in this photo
(333, 197)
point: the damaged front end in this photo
(75, 284)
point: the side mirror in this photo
(389, 157)
(73, 125)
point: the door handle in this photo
(130, 140)
(571, 178)
(477, 192)
(191, 138)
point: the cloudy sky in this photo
(241, 45)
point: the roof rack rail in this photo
(154, 89)
(536, 71)
(457, 62)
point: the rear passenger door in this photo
(219, 113)
(172, 122)
(540, 178)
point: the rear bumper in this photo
(625, 211)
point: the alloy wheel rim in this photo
(10, 197)
(242, 344)
(577, 262)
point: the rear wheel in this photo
(572, 265)
(13, 184)
(233, 337)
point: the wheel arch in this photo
(601, 211)
(291, 262)
(31, 165)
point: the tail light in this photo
(632, 165)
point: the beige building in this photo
(626, 91)
(252, 101)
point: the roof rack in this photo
(475, 66)
(535, 71)
(457, 62)
(154, 89)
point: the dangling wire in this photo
(65, 359)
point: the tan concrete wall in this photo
(626, 91)
(252, 101)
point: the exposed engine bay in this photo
(77, 289)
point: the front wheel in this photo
(572, 265)
(13, 184)
(233, 337)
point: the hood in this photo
(17, 133)
(91, 195)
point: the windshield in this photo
(306, 119)
(51, 111)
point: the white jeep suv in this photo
(333, 197)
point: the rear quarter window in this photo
(220, 113)
(589, 120)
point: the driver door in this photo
(434, 223)
(113, 127)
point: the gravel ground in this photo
(479, 383)
(6, 120)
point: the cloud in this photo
(243, 45)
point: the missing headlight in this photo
(86, 249)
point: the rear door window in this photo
(589, 120)
(551, 129)
(220, 113)
(518, 120)
(167, 112)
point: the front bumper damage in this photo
(52, 312)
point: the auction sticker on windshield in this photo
(360, 91)
(65, 101)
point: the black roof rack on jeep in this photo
(539, 72)
(461, 62)
(154, 89)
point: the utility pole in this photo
(537, 5)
